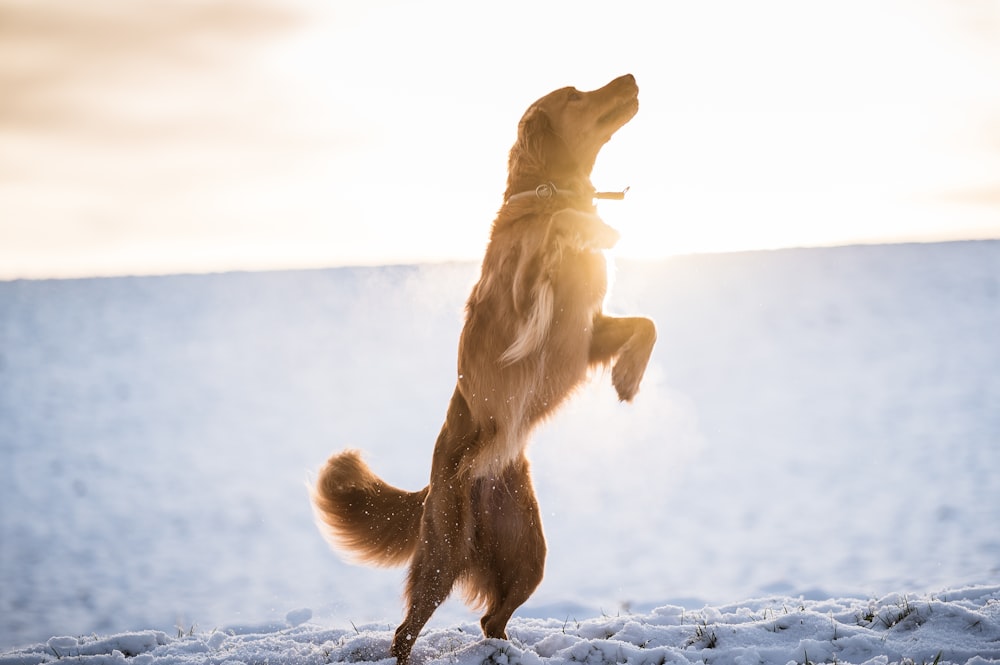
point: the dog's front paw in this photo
(627, 373)
(626, 377)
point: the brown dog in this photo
(533, 329)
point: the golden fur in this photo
(533, 329)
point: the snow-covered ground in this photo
(814, 451)
(960, 626)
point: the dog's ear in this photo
(533, 133)
(534, 130)
(539, 154)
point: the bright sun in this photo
(357, 140)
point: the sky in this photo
(183, 136)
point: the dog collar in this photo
(548, 190)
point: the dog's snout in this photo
(624, 85)
(624, 81)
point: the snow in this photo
(962, 626)
(813, 454)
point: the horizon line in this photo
(308, 266)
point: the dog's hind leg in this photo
(510, 546)
(430, 582)
(438, 562)
(443, 545)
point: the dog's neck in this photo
(548, 190)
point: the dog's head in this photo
(560, 135)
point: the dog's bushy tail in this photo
(378, 523)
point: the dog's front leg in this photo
(628, 341)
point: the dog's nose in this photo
(624, 82)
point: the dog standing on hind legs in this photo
(533, 330)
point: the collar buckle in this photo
(546, 190)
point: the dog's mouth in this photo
(621, 113)
(623, 103)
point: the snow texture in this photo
(961, 626)
(818, 428)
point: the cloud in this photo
(988, 195)
(58, 59)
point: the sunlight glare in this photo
(306, 135)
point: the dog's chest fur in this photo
(528, 330)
